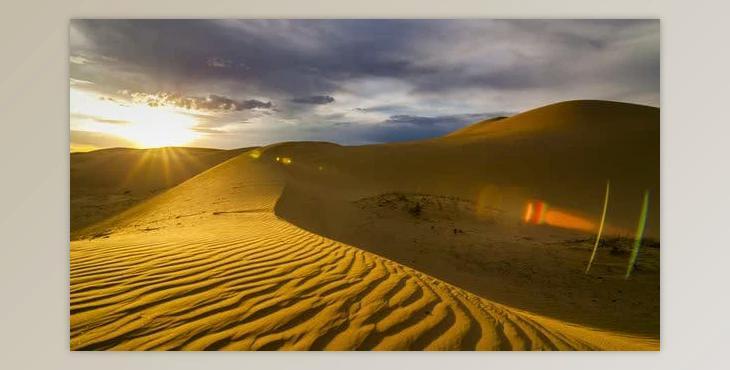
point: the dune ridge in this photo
(108, 181)
(210, 265)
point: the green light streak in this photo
(639, 235)
(600, 228)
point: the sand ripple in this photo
(276, 286)
(230, 275)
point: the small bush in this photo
(416, 210)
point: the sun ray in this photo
(136, 168)
(145, 126)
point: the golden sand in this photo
(244, 256)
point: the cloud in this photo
(408, 127)
(216, 62)
(77, 83)
(403, 78)
(207, 130)
(98, 140)
(254, 104)
(404, 118)
(315, 99)
(454, 119)
(393, 129)
(303, 57)
(209, 103)
(82, 116)
(77, 59)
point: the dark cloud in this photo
(416, 72)
(315, 99)
(215, 62)
(399, 128)
(253, 104)
(447, 121)
(382, 108)
(417, 120)
(209, 103)
(302, 57)
(406, 127)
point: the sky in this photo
(240, 83)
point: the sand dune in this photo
(108, 181)
(258, 252)
(561, 154)
(249, 280)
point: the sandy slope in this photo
(108, 181)
(534, 268)
(210, 264)
(561, 154)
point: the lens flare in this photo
(539, 213)
(535, 212)
(528, 212)
(600, 227)
(639, 234)
(284, 160)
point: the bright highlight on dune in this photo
(143, 125)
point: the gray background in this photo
(34, 164)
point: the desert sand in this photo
(406, 246)
(109, 181)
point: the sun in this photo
(155, 127)
(144, 126)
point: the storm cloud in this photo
(317, 99)
(431, 121)
(209, 103)
(413, 75)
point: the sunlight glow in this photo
(255, 154)
(141, 124)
